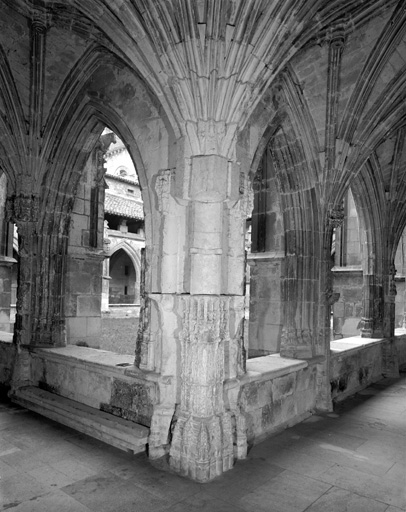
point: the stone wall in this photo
(275, 402)
(6, 364)
(354, 369)
(95, 378)
(400, 345)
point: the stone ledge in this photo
(351, 269)
(352, 344)
(270, 367)
(107, 362)
(110, 429)
(267, 256)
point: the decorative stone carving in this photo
(202, 443)
(142, 344)
(22, 208)
(106, 239)
(336, 216)
(392, 283)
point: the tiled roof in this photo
(125, 179)
(123, 207)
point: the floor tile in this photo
(246, 476)
(204, 502)
(278, 496)
(350, 460)
(18, 488)
(106, 492)
(339, 500)
(53, 502)
(384, 489)
(300, 462)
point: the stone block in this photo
(267, 417)
(79, 206)
(71, 305)
(209, 178)
(305, 401)
(264, 393)
(306, 379)
(131, 402)
(89, 306)
(76, 328)
(249, 397)
(254, 424)
(283, 386)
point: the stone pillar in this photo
(389, 306)
(23, 211)
(373, 317)
(210, 336)
(106, 271)
(202, 443)
(328, 297)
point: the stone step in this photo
(123, 434)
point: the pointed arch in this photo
(133, 254)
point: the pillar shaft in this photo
(211, 334)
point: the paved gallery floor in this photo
(352, 460)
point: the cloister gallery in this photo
(287, 116)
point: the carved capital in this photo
(22, 208)
(392, 283)
(336, 35)
(39, 21)
(336, 216)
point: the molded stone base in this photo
(202, 448)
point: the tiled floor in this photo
(352, 460)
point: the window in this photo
(126, 270)
(125, 290)
(130, 190)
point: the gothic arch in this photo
(131, 252)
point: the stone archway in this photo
(124, 283)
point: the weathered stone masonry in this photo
(223, 106)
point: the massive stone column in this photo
(23, 211)
(209, 336)
(373, 306)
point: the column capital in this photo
(22, 208)
(336, 216)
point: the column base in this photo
(202, 448)
(159, 432)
